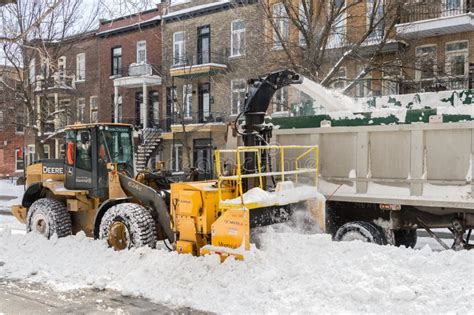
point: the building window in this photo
(457, 59)
(364, 85)
(31, 157)
(178, 48)
(375, 13)
(19, 160)
(19, 121)
(93, 109)
(32, 71)
(177, 157)
(188, 100)
(204, 44)
(46, 151)
(81, 109)
(281, 23)
(280, 100)
(81, 67)
(62, 68)
(44, 67)
(239, 88)
(2, 122)
(237, 39)
(426, 62)
(141, 51)
(340, 81)
(338, 28)
(117, 60)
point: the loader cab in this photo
(88, 150)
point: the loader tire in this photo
(405, 238)
(362, 231)
(128, 225)
(47, 217)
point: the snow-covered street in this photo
(290, 272)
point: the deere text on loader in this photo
(94, 189)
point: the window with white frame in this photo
(238, 88)
(280, 100)
(457, 58)
(32, 71)
(425, 62)
(364, 85)
(303, 16)
(141, 51)
(45, 67)
(117, 110)
(81, 109)
(237, 38)
(179, 48)
(62, 67)
(341, 77)
(338, 28)
(281, 25)
(177, 157)
(81, 67)
(46, 151)
(188, 101)
(19, 160)
(375, 14)
(31, 157)
(93, 109)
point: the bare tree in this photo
(39, 33)
(318, 37)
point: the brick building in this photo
(11, 128)
(130, 69)
(210, 50)
(63, 79)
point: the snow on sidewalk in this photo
(290, 273)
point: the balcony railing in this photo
(200, 59)
(433, 9)
(436, 85)
(136, 69)
(55, 81)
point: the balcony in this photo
(199, 121)
(436, 85)
(435, 17)
(199, 65)
(56, 81)
(137, 75)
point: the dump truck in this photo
(94, 189)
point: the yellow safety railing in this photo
(258, 151)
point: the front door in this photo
(204, 44)
(204, 102)
(203, 158)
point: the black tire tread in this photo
(57, 214)
(375, 231)
(138, 219)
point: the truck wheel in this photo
(47, 217)
(128, 225)
(361, 230)
(405, 238)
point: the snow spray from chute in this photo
(331, 100)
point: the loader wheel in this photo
(362, 231)
(47, 217)
(405, 238)
(128, 225)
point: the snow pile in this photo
(291, 272)
(286, 195)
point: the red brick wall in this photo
(128, 41)
(9, 142)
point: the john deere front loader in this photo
(94, 188)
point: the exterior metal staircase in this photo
(149, 145)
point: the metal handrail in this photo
(259, 174)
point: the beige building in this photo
(210, 49)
